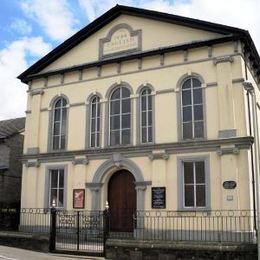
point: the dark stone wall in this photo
(4, 154)
(25, 241)
(10, 181)
(150, 250)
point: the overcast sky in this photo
(31, 28)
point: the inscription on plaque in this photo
(121, 41)
(121, 38)
(158, 198)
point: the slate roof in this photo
(11, 126)
(110, 15)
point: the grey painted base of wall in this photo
(162, 250)
(213, 236)
(25, 241)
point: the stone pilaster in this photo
(34, 128)
(229, 172)
(227, 124)
(140, 192)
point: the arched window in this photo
(95, 122)
(120, 116)
(59, 124)
(192, 109)
(146, 116)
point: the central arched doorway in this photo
(122, 201)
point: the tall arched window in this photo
(146, 116)
(192, 109)
(120, 116)
(59, 124)
(95, 122)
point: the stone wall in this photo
(25, 241)
(163, 250)
(10, 180)
(4, 154)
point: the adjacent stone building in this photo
(11, 150)
(145, 111)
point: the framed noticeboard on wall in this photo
(158, 197)
(78, 198)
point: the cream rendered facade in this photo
(225, 147)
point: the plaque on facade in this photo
(229, 185)
(78, 198)
(158, 198)
(120, 39)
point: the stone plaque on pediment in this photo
(120, 39)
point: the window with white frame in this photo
(192, 109)
(56, 188)
(194, 184)
(120, 117)
(95, 122)
(59, 124)
(146, 116)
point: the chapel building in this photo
(142, 110)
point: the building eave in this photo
(133, 56)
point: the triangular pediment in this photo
(129, 34)
(123, 31)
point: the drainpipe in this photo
(252, 159)
(250, 89)
(251, 148)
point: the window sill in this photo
(147, 143)
(193, 139)
(57, 151)
(119, 145)
(194, 209)
(94, 148)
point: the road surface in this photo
(12, 253)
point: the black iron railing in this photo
(215, 226)
(212, 226)
(80, 230)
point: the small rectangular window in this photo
(194, 184)
(186, 97)
(187, 130)
(56, 188)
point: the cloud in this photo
(54, 17)
(21, 26)
(13, 61)
(88, 7)
(94, 8)
(158, 5)
(238, 13)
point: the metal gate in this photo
(81, 232)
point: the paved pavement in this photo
(11, 253)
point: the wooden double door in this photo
(122, 201)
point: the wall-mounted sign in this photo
(78, 198)
(121, 38)
(158, 198)
(229, 185)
